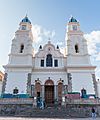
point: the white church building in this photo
(49, 73)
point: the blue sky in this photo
(51, 16)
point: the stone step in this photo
(50, 112)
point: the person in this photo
(93, 113)
(41, 104)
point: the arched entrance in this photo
(38, 89)
(49, 92)
(60, 88)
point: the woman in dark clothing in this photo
(93, 113)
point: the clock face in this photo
(74, 27)
(23, 27)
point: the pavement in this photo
(22, 118)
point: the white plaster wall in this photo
(20, 38)
(55, 76)
(20, 59)
(78, 60)
(82, 80)
(98, 87)
(16, 79)
(76, 39)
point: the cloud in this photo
(93, 41)
(98, 57)
(37, 33)
(40, 33)
(48, 34)
(98, 73)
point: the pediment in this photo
(49, 49)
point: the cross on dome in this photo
(26, 19)
(72, 19)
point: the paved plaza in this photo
(20, 118)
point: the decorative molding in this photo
(81, 66)
(29, 83)
(49, 69)
(4, 82)
(32, 90)
(69, 76)
(17, 66)
(95, 85)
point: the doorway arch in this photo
(38, 89)
(49, 92)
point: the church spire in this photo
(72, 19)
(73, 25)
(76, 43)
(25, 24)
(23, 34)
(26, 19)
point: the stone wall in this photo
(16, 101)
(82, 110)
(82, 101)
(27, 110)
(27, 107)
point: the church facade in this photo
(49, 73)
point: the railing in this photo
(82, 101)
(32, 101)
(16, 101)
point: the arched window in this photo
(76, 48)
(21, 48)
(40, 47)
(15, 90)
(49, 60)
(23, 27)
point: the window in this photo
(49, 60)
(76, 48)
(23, 27)
(21, 48)
(42, 63)
(56, 63)
(74, 27)
(40, 47)
(57, 47)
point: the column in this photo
(43, 92)
(55, 92)
(32, 91)
(4, 82)
(29, 83)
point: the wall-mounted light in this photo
(37, 80)
(48, 78)
(61, 80)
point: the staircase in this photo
(48, 112)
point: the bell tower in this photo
(21, 48)
(77, 52)
(19, 67)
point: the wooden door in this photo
(49, 95)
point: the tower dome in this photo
(26, 20)
(25, 24)
(72, 20)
